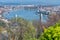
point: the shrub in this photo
(30, 32)
(52, 33)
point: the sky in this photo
(49, 2)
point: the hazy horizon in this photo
(34, 2)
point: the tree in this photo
(30, 32)
(52, 33)
(2, 24)
(52, 19)
(24, 29)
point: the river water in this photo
(25, 13)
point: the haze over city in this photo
(35, 2)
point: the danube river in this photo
(24, 13)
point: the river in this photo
(24, 13)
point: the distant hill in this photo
(4, 3)
(28, 3)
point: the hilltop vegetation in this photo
(22, 29)
(52, 33)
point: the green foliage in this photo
(52, 33)
(26, 29)
(2, 24)
(30, 32)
